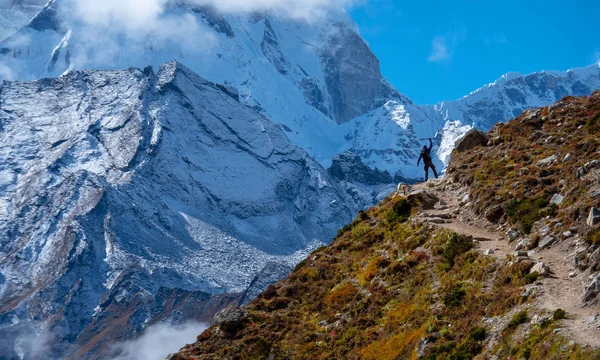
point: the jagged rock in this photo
(547, 161)
(471, 139)
(567, 157)
(230, 320)
(512, 235)
(494, 214)
(592, 289)
(427, 199)
(488, 252)
(521, 254)
(348, 166)
(587, 167)
(540, 268)
(572, 274)
(547, 242)
(524, 244)
(230, 91)
(557, 199)
(593, 217)
(567, 234)
(593, 260)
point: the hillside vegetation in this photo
(391, 287)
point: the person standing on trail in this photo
(426, 156)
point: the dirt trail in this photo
(562, 289)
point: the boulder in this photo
(593, 217)
(547, 161)
(512, 235)
(426, 199)
(540, 268)
(587, 167)
(524, 244)
(557, 199)
(494, 214)
(593, 260)
(230, 320)
(547, 242)
(592, 289)
(470, 140)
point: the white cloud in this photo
(439, 51)
(5, 72)
(443, 47)
(159, 340)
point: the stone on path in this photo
(512, 235)
(547, 242)
(488, 252)
(540, 268)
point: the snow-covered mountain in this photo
(132, 196)
(117, 185)
(309, 77)
(319, 80)
(17, 13)
(508, 97)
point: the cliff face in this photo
(138, 196)
(493, 261)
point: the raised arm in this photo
(430, 144)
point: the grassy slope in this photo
(387, 288)
(507, 173)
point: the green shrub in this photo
(400, 212)
(593, 237)
(531, 278)
(527, 211)
(558, 314)
(454, 247)
(455, 297)
(518, 319)
(477, 333)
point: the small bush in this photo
(373, 267)
(593, 237)
(455, 246)
(477, 333)
(400, 212)
(527, 211)
(340, 295)
(531, 278)
(558, 314)
(518, 319)
(455, 297)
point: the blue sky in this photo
(435, 50)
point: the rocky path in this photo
(562, 288)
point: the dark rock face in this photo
(270, 48)
(270, 274)
(47, 19)
(494, 214)
(349, 167)
(353, 76)
(215, 20)
(471, 139)
(230, 320)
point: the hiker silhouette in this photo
(426, 156)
